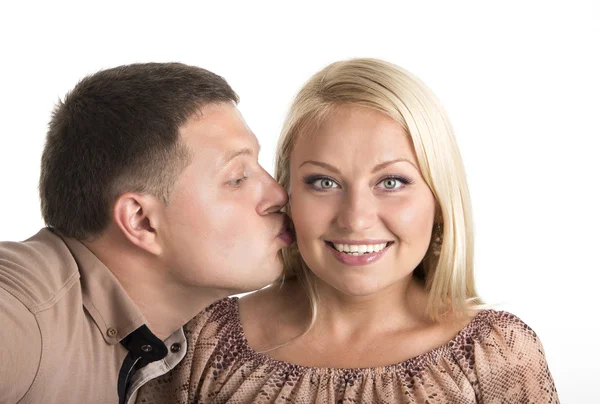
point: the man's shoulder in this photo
(37, 270)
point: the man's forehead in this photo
(232, 154)
(220, 128)
(213, 119)
(219, 150)
(231, 144)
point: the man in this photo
(156, 206)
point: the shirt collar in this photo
(109, 305)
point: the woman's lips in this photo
(361, 259)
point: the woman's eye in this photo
(321, 183)
(325, 183)
(393, 183)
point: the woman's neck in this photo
(400, 306)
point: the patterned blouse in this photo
(496, 358)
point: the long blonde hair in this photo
(376, 84)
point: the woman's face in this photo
(362, 212)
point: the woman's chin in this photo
(359, 288)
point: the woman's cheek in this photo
(411, 220)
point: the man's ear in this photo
(137, 216)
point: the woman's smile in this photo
(358, 253)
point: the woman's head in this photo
(392, 177)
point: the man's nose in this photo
(274, 198)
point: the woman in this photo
(377, 303)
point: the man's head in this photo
(140, 153)
(118, 131)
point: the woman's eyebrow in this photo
(383, 165)
(321, 164)
(378, 167)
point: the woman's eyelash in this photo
(313, 179)
(393, 183)
(404, 180)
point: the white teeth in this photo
(359, 249)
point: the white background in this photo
(520, 81)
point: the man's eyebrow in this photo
(236, 153)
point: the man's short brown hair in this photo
(118, 131)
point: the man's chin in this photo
(257, 283)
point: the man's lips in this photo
(287, 237)
(286, 234)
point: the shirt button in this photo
(146, 348)
(176, 347)
(111, 332)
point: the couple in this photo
(157, 210)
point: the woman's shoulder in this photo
(505, 357)
(489, 322)
(213, 320)
(500, 334)
(490, 327)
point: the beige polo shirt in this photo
(69, 333)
